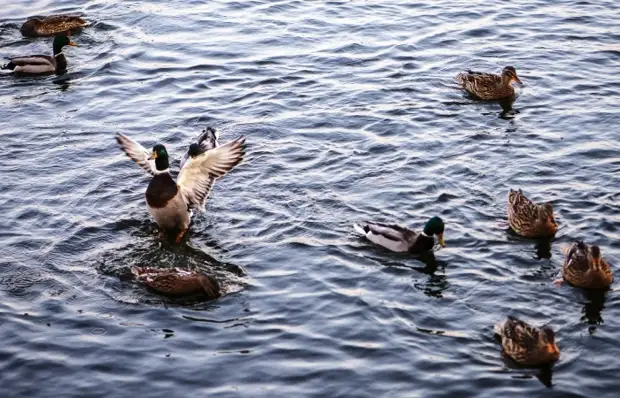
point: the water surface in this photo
(350, 112)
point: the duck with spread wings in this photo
(169, 202)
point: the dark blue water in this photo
(351, 112)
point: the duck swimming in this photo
(43, 64)
(585, 267)
(51, 25)
(177, 281)
(169, 202)
(488, 86)
(527, 345)
(529, 219)
(400, 239)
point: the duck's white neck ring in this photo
(162, 171)
(59, 54)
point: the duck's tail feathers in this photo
(361, 229)
(10, 65)
(498, 328)
(137, 271)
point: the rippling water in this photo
(351, 112)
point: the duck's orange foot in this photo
(558, 282)
(180, 236)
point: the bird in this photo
(51, 25)
(169, 202)
(177, 281)
(401, 239)
(529, 219)
(488, 86)
(585, 267)
(206, 141)
(527, 345)
(43, 64)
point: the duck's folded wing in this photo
(136, 152)
(32, 60)
(393, 237)
(520, 332)
(521, 206)
(472, 80)
(198, 176)
(64, 19)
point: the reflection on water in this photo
(508, 112)
(543, 248)
(593, 307)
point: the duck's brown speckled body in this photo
(488, 86)
(527, 345)
(177, 281)
(585, 267)
(529, 219)
(51, 25)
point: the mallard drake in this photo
(585, 267)
(528, 219)
(177, 281)
(43, 64)
(401, 239)
(527, 345)
(488, 86)
(169, 202)
(51, 25)
(206, 141)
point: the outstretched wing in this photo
(206, 141)
(136, 152)
(198, 176)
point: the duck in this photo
(169, 202)
(177, 281)
(529, 219)
(527, 345)
(585, 267)
(51, 25)
(43, 64)
(401, 239)
(489, 86)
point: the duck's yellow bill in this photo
(442, 243)
(516, 79)
(71, 43)
(153, 156)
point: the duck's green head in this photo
(435, 226)
(161, 157)
(61, 40)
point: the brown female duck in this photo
(51, 25)
(488, 86)
(177, 281)
(527, 345)
(585, 267)
(529, 219)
